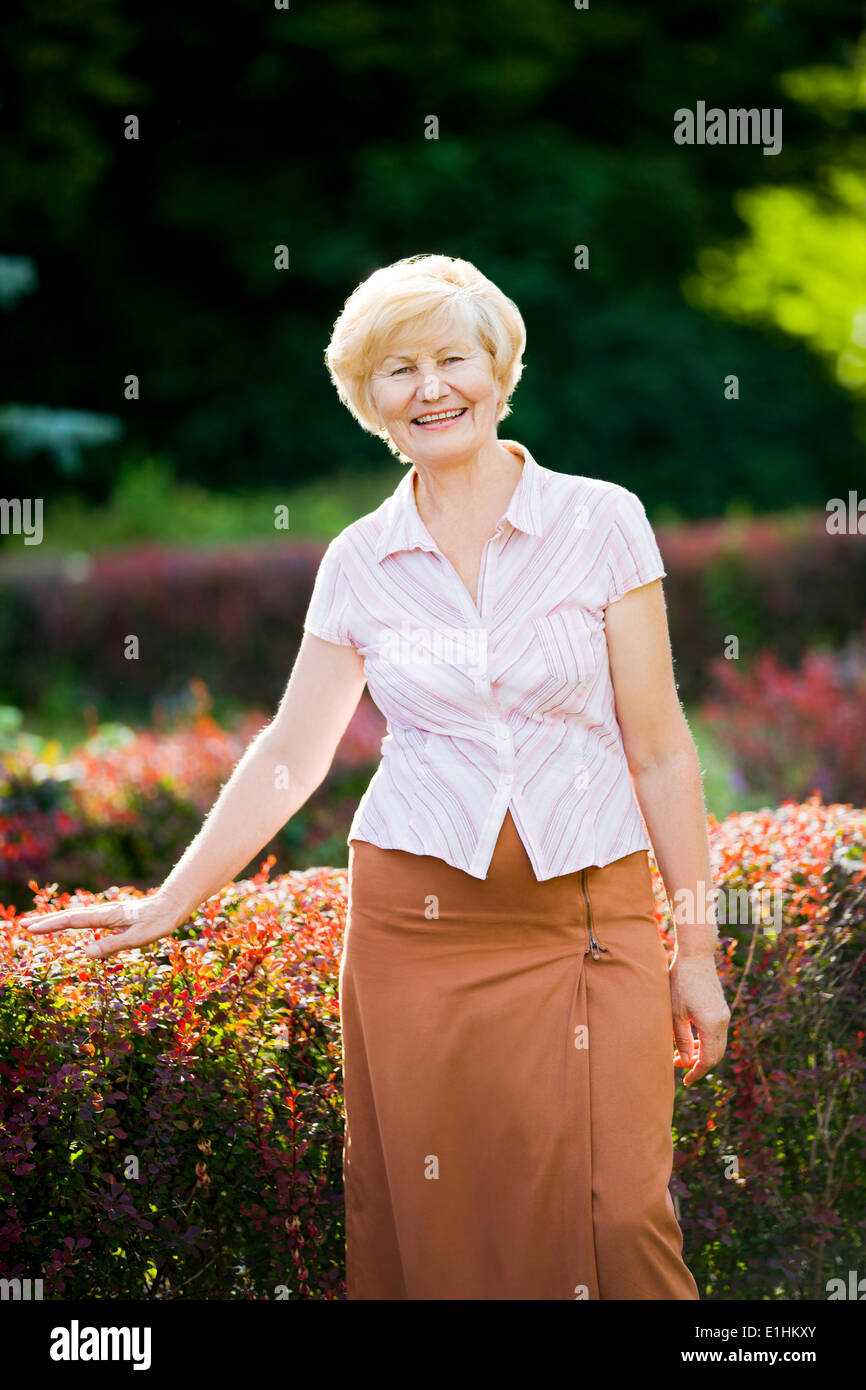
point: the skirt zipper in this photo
(594, 946)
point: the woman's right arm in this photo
(279, 771)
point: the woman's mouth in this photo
(438, 419)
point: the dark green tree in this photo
(306, 127)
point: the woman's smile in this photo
(439, 419)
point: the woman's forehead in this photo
(412, 351)
(414, 340)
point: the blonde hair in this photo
(418, 292)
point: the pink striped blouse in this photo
(505, 704)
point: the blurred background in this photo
(190, 194)
(189, 199)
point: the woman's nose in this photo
(430, 389)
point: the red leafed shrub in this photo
(232, 615)
(170, 1121)
(228, 615)
(125, 812)
(781, 583)
(182, 1104)
(770, 1164)
(791, 732)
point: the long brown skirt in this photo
(508, 1084)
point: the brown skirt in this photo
(508, 1081)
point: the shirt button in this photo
(508, 778)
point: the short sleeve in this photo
(633, 556)
(327, 612)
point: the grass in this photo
(148, 504)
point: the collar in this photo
(403, 528)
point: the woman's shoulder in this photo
(361, 537)
(571, 483)
(597, 498)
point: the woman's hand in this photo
(697, 997)
(135, 922)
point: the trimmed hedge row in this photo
(793, 731)
(232, 616)
(171, 1122)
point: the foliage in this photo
(802, 265)
(556, 130)
(214, 1060)
(148, 504)
(32, 431)
(792, 732)
(171, 1122)
(122, 807)
(232, 616)
(771, 1147)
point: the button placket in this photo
(505, 752)
(502, 732)
(480, 676)
(483, 568)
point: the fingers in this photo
(76, 918)
(707, 1054)
(127, 924)
(688, 1053)
(695, 1002)
(37, 922)
(685, 1042)
(112, 917)
(110, 945)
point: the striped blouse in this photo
(504, 704)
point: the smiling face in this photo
(436, 394)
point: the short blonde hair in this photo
(420, 292)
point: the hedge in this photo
(123, 806)
(171, 1122)
(232, 616)
(790, 731)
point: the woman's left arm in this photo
(666, 776)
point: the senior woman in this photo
(507, 1010)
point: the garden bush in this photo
(170, 1121)
(123, 806)
(770, 1164)
(793, 731)
(171, 1124)
(232, 616)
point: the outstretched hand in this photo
(133, 922)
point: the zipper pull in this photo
(593, 946)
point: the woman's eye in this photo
(399, 370)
